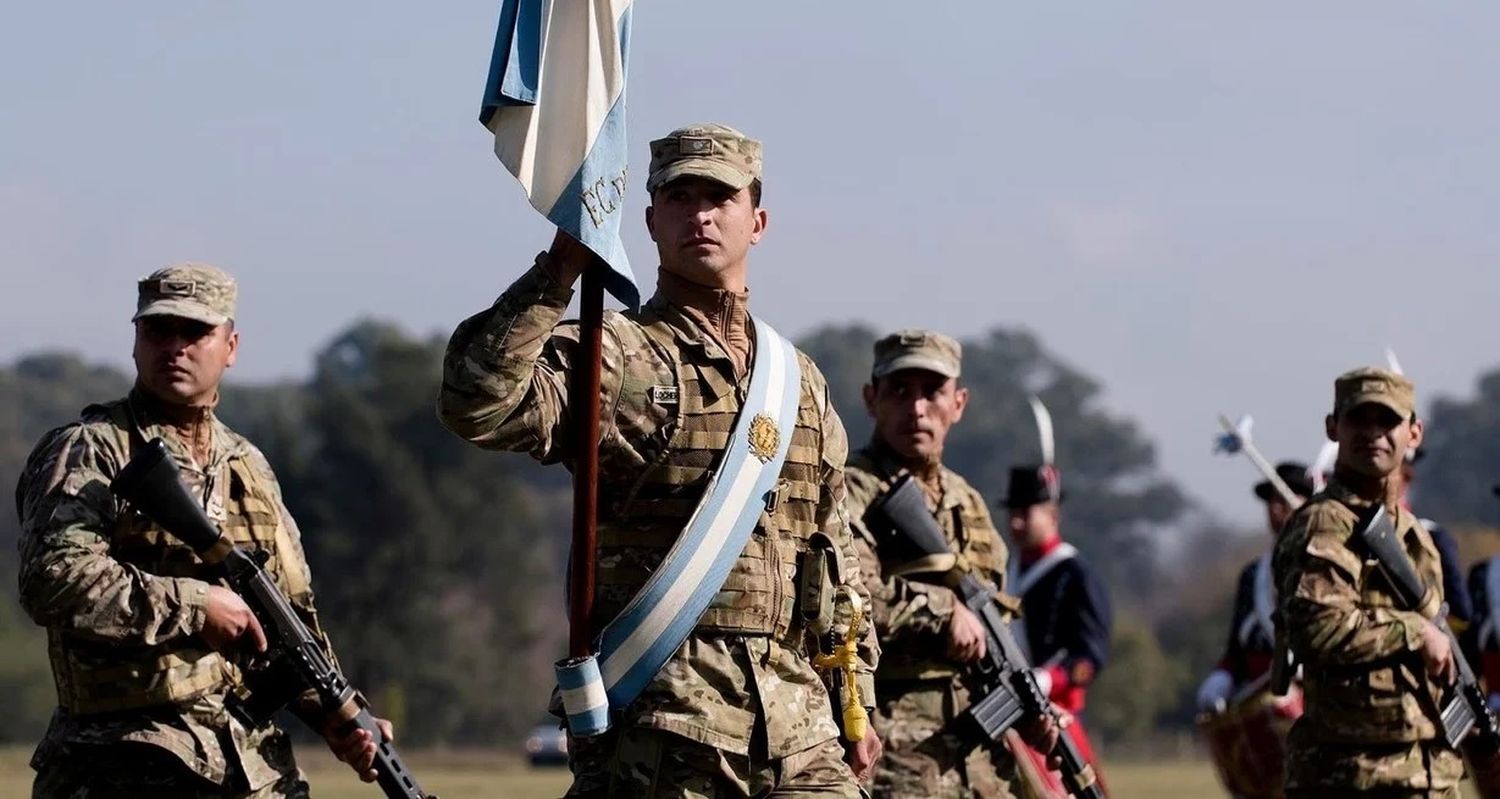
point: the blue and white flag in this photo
(555, 100)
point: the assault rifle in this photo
(1464, 709)
(1007, 689)
(294, 661)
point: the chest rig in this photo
(973, 538)
(94, 677)
(643, 517)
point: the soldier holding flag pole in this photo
(722, 547)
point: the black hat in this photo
(1292, 473)
(1033, 485)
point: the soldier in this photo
(927, 636)
(738, 709)
(1460, 606)
(1371, 669)
(1243, 721)
(1064, 605)
(1247, 656)
(145, 643)
(1482, 638)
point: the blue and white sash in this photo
(633, 648)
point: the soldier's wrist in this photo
(192, 600)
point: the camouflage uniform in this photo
(738, 709)
(141, 697)
(921, 691)
(1368, 728)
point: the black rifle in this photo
(1464, 708)
(1007, 689)
(294, 661)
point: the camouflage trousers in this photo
(1411, 769)
(132, 771)
(636, 763)
(925, 756)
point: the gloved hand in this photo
(1214, 691)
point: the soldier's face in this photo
(1034, 525)
(1373, 439)
(704, 230)
(1277, 512)
(913, 410)
(181, 360)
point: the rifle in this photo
(1464, 709)
(294, 661)
(1007, 689)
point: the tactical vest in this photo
(973, 538)
(96, 677)
(641, 519)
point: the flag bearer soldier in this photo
(736, 708)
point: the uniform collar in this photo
(716, 319)
(1032, 556)
(194, 430)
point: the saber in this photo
(1236, 438)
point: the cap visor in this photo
(187, 310)
(922, 362)
(1381, 399)
(716, 171)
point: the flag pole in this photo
(585, 387)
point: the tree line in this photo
(438, 567)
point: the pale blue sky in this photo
(1207, 208)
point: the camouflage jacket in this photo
(505, 387)
(1364, 682)
(911, 616)
(123, 603)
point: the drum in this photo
(1247, 742)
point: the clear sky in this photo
(1208, 208)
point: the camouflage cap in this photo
(917, 349)
(1380, 386)
(195, 291)
(706, 150)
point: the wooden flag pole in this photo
(585, 387)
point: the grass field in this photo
(476, 776)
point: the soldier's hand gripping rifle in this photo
(295, 661)
(1463, 709)
(1003, 680)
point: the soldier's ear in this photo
(1331, 427)
(651, 219)
(1416, 435)
(868, 392)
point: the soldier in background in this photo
(1065, 607)
(1460, 605)
(1244, 724)
(1370, 668)
(1247, 655)
(145, 644)
(927, 636)
(1481, 640)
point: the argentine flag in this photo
(555, 100)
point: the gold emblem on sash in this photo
(764, 437)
